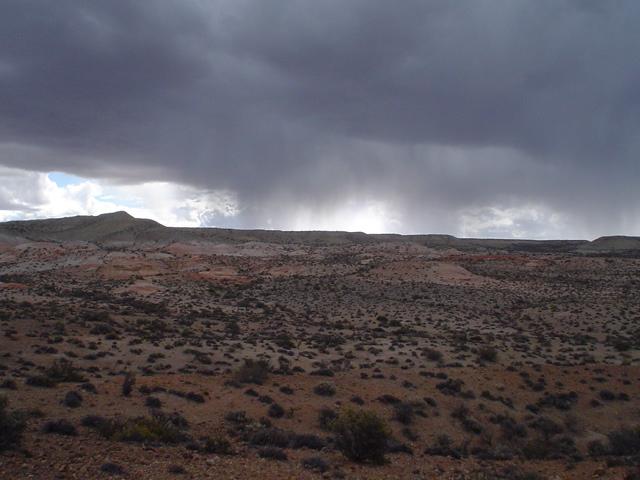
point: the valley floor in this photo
(483, 365)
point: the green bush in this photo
(11, 427)
(361, 435)
(158, 428)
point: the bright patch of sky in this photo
(30, 195)
(63, 179)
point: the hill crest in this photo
(121, 227)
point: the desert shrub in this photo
(323, 372)
(325, 341)
(494, 452)
(508, 402)
(9, 384)
(159, 428)
(88, 387)
(113, 469)
(265, 422)
(326, 415)
(273, 453)
(625, 441)
(63, 370)
(325, 389)
(217, 444)
(487, 354)
(60, 427)
(153, 402)
(232, 327)
(528, 476)
(389, 399)
(276, 411)
(394, 446)
(546, 426)
(361, 435)
(40, 381)
(450, 387)
(317, 464)
(250, 392)
(270, 437)
(462, 413)
(433, 355)
(443, 447)
(191, 396)
(307, 440)
(72, 399)
(561, 401)
(287, 390)
(572, 423)
(238, 417)
(127, 384)
(101, 329)
(607, 395)
(176, 469)
(536, 449)
(100, 316)
(147, 430)
(549, 449)
(403, 412)
(622, 344)
(410, 434)
(509, 427)
(253, 371)
(596, 448)
(285, 341)
(430, 401)
(12, 425)
(508, 472)
(93, 421)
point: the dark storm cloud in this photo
(434, 107)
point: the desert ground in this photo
(246, 356)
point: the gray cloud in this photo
(436, 108)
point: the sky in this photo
(482, 118)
